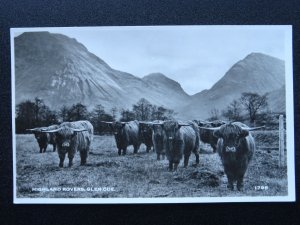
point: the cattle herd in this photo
(172, 139)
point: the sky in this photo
(195, 56)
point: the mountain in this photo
(62, 71)
(276, 100)
(257, 72)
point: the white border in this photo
(289, 127)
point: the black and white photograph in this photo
(153, 114)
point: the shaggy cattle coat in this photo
(44, 139)
(70, 141)
(180, 140)
(236, 148)
(126, 134)
(158, 140)
(145, 134)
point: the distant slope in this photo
(255, 73)
(62, 71)
(276, 100)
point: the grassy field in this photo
(139, 175)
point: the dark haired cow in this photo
(207, 136)
(126, 133)
(180, 139)
(157, 137)
(235, 147)
(43, 139)
(158, 140)
(145, 134)
(72, 137)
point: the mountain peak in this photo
(260, 56)
(62, 71)
(161, 81)
(52, 40)
(259, 71)
(159, 78)
(155, 75)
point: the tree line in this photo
(251, 108)
(31, 114)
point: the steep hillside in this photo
(62, 71)
(255, 73)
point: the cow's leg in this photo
(119, 151)
(54, 147)
(61, 159)
(214, 148)
(45, 148)
(186, 160)
(176, 165)
(197, 157)
(83, 157)
(136, 148)
(170, 165)
(158, 156)
(240, 182)
(148, 148)
(41, 149)
(124, 150)
(230, 181)
(71, 156)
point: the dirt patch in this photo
(206, 178)
(108, 164)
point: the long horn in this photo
(34, 129)
(79, 130)
(184, 124)
(147, 123)
(157, 123)
(106, 122)
(209, 128)
(51, 131)
(253, 128)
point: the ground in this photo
(108, 175)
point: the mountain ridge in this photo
(257, 72)
(62, 71)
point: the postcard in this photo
(153, 114)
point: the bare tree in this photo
(214, 114)
(127, 115)
(77, 112)
(233, 111)
(114, 111)
(63, 113)
(142, 109)
(253, 104)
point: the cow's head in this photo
(116, 127)
(39, 136)
(145, 128)
(155, 127)
(157, 130)
(231, 135)
(64, 136)
(216, 123)
(170, 128)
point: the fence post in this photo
(281, 161)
